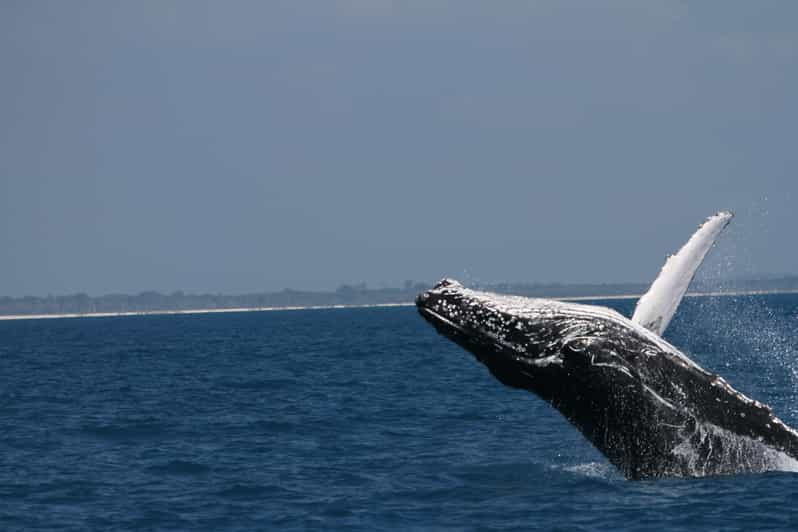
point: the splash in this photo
(755, 338)
(600, 470)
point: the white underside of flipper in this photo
(657, 306)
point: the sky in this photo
(245, 146)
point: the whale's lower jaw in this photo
(649, 409)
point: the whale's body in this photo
(646, 406)
(651, 410)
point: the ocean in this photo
(347, 419)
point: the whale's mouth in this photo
(439, 321)
(468, 339)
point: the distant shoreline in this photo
(192, 311)
(16, 317)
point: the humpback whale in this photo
(645, 405)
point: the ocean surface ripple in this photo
(347, 419)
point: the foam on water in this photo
(602, 470)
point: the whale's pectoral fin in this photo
(657, 306)
(655, 326)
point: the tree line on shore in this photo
(347, 295)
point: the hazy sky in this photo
(250, 146)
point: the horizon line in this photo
(763, 277)
(18, 317)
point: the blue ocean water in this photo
(358, 419)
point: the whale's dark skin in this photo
(651, 410)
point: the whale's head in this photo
(518, 337)
(473, 319)
(506, 333)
